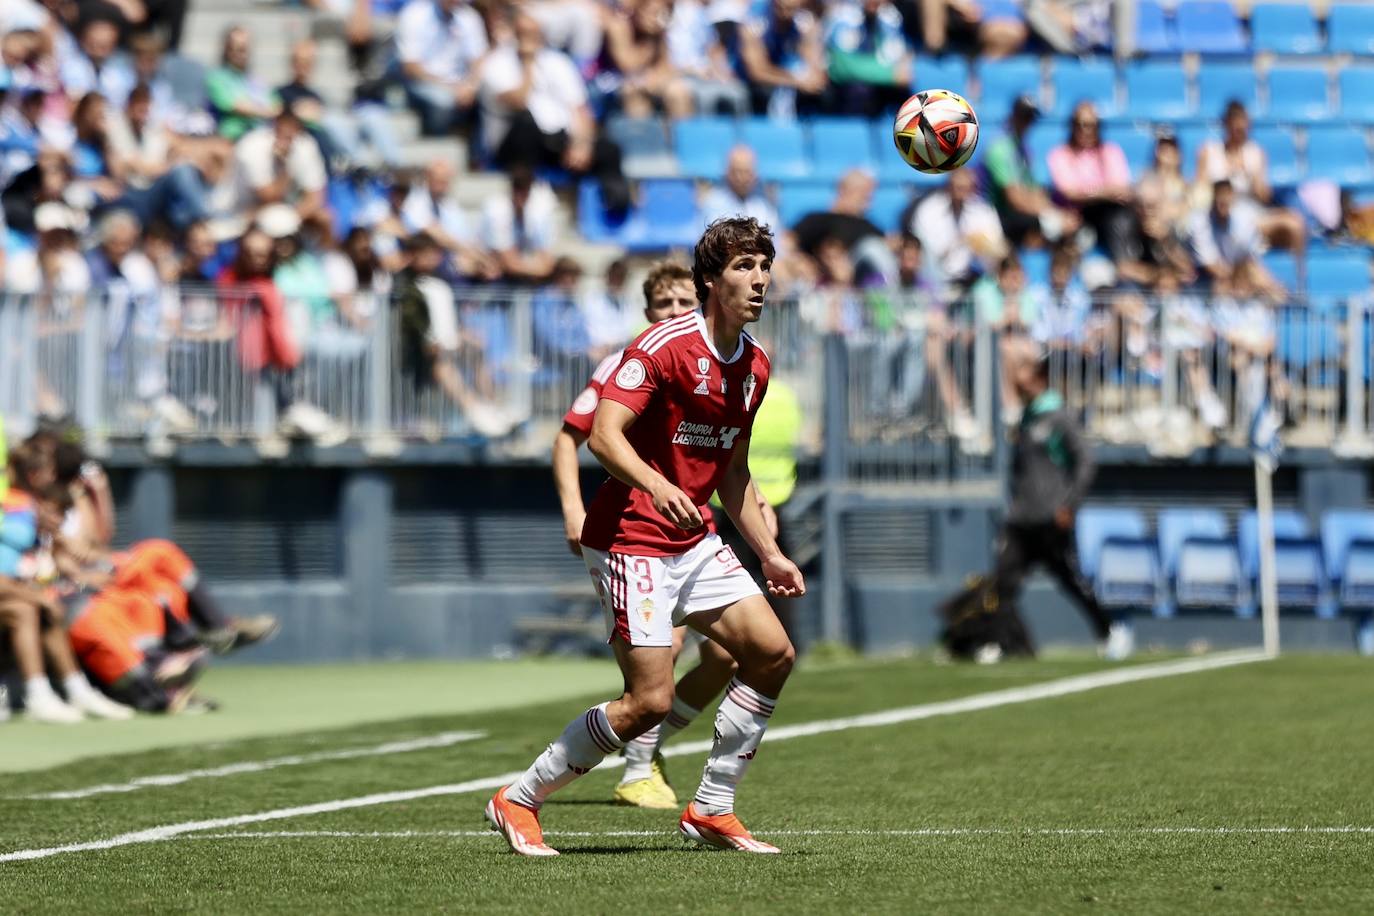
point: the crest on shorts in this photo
(646, 609)
(750, 383)
(631, 375)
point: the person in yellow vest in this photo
(773, 464)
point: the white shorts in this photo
(645, 597)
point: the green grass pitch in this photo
(1246, 789)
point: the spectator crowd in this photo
(208, 205)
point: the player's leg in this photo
(751, 633)
(1061, 560)
(41, 702)
(642, 637)
(80, 694)
(644, 783)
(697, 688)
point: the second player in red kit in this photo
(672, 427)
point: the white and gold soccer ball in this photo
(936, 131)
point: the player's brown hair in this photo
(724, 240)
(661, 272)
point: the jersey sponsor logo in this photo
(631, 375)
(750, 384)
(586, 402)
(704, 435)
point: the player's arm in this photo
(741, 502)
(610, 446)
(567, 480)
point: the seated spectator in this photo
(1093, 177)
(55, 267)
(1157, 259)
(358, 282)
(239, 101)
(281, 163)
(535, 113)
(431, 339)
(1164, 184)
(959, 231)
(1241, 161)
(299, 276)
(1072, 26)
(429, 208)
(1029, 217)
(562, 335)
(93, 161)
(962, 27)
(635, 66)
(95, 66)
(163, 174)
(148, 54)
(518, 229)
(699, 56)
(612, 318)
(1008, 307)
(441, 46)
(1066, 319)
(870, 60)
(847, 222)
(780, 54)
(21, 134)
(741, 194)
(1227, 243)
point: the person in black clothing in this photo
(1051, 471)
(847, 222)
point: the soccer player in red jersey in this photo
(668, 293)
(672, 427)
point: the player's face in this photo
(670, 300)
(741, 286)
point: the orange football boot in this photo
(719, 831)
(519, 825)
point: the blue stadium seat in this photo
(1157, 91)
(1002, 81)
(1191, 137)
(1309, 340)
(1338, 273)
(1300, 94)
(702, 145)
(840, 144)
(1036, 264)
(944, 72)
(1200, 559)
(1299, 568)
(1348, 544)
(1220, 82)
(1284, 28)
(1281, 149)
(1153, 32)
(645, 149)
(780, 147)
(186, 77)
(1040, 139)
(1093, 79)
(888, 203)
(1117, 556)
(1136, 142)
(668, 210)
(1357, 93)
(798, 198)
(1284, 268)
(1338, 153)
(1350, 27)
(1209, 27)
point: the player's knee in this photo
(777, 660)
(647, 708)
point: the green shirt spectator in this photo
(238, 101)
(1006, 166)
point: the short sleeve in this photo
(635, 382)
(1001, 164)
(583, 410)
(498, 224)
(410, 34)
(308, 165)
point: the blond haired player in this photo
(672, 427)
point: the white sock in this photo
(639, 756)
(740, 721)
(583, 744)
(38, 688)
(679, 717)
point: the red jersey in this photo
(695, 408)
(583, 409)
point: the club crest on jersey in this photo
(750, 383)
(646, 609)
(631, 375)
(704, 371)
(703, 366)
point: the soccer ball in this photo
(935, 131)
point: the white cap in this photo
(278, 220)
(53, 215)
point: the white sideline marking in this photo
(442, 739)
(1055, 688)
(911, 832)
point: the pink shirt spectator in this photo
(1087, 172)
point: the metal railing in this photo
(918, 395)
